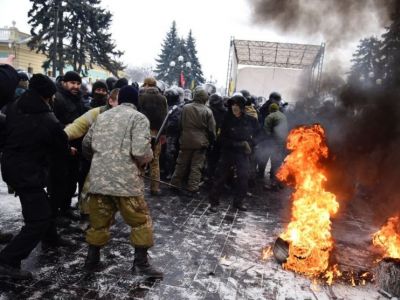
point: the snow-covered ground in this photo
(202, 255)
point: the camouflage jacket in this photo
(118, 142)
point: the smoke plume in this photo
(337, 21)
(362, 122)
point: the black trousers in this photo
(212, 159)
(270, 150)
(38, 214)
(242, 165)
(64, 176)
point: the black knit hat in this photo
(237, 99)
(121, 83)
(99, 85)
(128, 94)
(72, 76)
(43, 85)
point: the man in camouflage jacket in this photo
(119, 144)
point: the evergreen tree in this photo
(167, 61)
(390, 49)
(196, 74)
(179, 56)
(82, 35)
(367, 65)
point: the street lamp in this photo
(182, 66)
(12, 46)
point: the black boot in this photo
(141, 265)
(93, 258)
(238, 205)
(5, 237)
(56, 243)
(7, 271)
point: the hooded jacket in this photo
(34, 136)
(197, 125)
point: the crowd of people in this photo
(56, 137)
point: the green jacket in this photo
(276, 126)
(81, 125)
(119, 142)
(198, 126)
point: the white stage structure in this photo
(263, 67)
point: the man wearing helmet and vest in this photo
(236, 141)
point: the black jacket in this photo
(235, 130)
(68, 107)
(173, 126)
(154, 106)
(34, 136)
(219, 112)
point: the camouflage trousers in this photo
(155, 166)
(133, 210)
(189, 162)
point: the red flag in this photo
(182, 80)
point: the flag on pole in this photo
(182, 80)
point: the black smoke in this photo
(362, 122)
(336, 20)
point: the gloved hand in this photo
(246, 147)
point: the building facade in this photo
(13, 41)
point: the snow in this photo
(202, 255)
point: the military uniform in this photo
(198, 130)
(119, 142)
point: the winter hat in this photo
(72, 76)
(8, 83)
(200, 96)
(110, 81)
(128, 94)
(237, 99)
(121, 83)
(149, 82)
(99, 85)
(43, 85)
(273, 107)
(22, 76)
(215, 100)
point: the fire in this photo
(309, 231)
(388, 238)
(266, 253)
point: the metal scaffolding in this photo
(277, 55)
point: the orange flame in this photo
(309, 232)
(266, 253)
(388, 238)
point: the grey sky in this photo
(139, 28)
